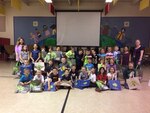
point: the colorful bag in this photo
(82, 83)
(134, 83)
(35, 86)
(23, 89)
(101, 85)
(39, 66)
(53, 87)
(16, 69)
(114, 84)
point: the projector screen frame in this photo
(101, 11)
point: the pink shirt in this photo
(18, 49)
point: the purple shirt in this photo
(18, 49)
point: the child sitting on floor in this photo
(25, 65)
(73, 74)
(53, 77)
(101, 80)
(39, 77)
(37, 83)
(66, 80)
(83, 74)
(92, 78)
(129, 73)
(49, 67)
(62, 66)
(24, 82)
(112, 75)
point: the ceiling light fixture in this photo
(108, 1)
(48, 1)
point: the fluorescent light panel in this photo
(108, 1)
(48, 1)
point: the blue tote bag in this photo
(114, 84)
(53, 87)
(82, 83)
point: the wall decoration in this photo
(41, 32)
(35, 23)
(126, 24)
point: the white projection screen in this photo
(78, 28)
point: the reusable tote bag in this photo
(114, 84)
(101, 85)
(82, 83)
(134, 83)
(53, 87)
(36, 86)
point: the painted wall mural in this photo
(114, 30)
(40, 30)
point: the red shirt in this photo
(102, 78)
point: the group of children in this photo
(59, 69)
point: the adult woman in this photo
(138, 53)
(18, 48)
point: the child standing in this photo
(109, 54)
(50, 55)
(71, 56)
(79, 59)
(58, 55)
(43, 52)
(102, 53)
(35, 54)
(117, 54)
(87, 56)
(125, 58)
(24, 55)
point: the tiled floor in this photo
(79, 101)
